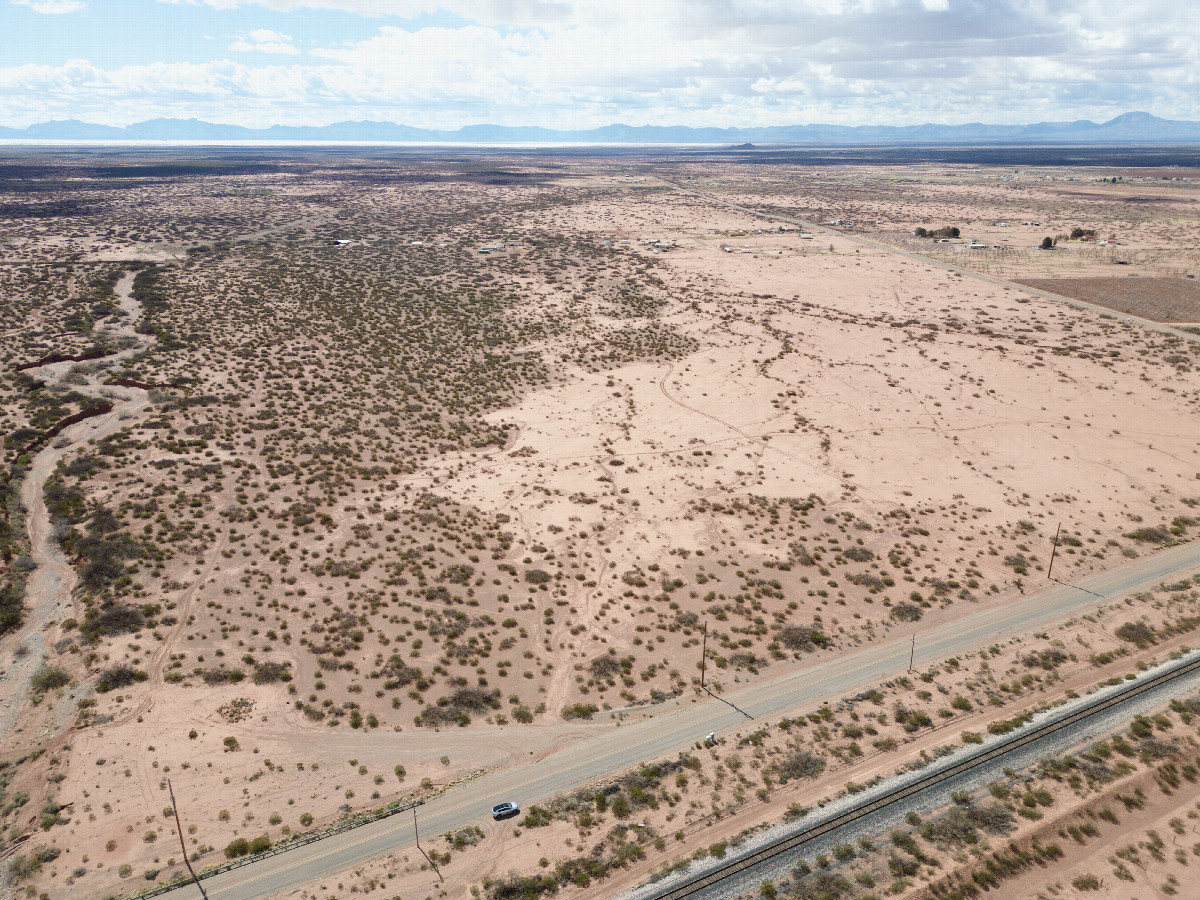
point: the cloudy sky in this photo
(582, 63)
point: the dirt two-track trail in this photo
(48, 595)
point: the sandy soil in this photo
(727, 421)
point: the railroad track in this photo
(873, 805)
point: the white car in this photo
(505, 810)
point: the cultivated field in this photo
(335, 478)
(1160, 299)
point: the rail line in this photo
(1000, 748)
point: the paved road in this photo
(610, 748)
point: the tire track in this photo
(662, 386)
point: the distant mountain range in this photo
(1133, 127)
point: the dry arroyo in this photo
(49, 589)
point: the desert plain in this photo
(336, 479)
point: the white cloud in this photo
(700, 62)
(263, 40)
(486, 11)
(52, 7)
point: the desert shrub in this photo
(457, 708)
(1048, 659)
(50, 814)
(466, 837)
(271, 672)
(822, 886)
(858, 554)
(260, 844)
(1138, 633)
(538, 576)
(801, 764)
(119, 676)
(460, 573)
(961, 825)
(605, 666)
(1004, 726)
(12, 607)
(116, 619)
(912, 719)
(22, 867)
(536, 818)
(399, 674)
(221, 676)
(580, 711)
(47, 854)
(237, 847)
(906, 612)
(903, 866)
(873, 583)
(1153, 535)
(801, 637)
(49, 677)
(518, 887)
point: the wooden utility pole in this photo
(703, 652)
(912, 654)
(417, 832)
(1053, 550)
(178, 827)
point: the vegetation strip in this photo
(708, 879)
(184, 880)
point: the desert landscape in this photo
(338, 479)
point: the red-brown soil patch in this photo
(1160, 299)
(51, 358)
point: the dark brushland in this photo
(1130, 128)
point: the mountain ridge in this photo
(1130, 127)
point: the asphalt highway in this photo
(610, 747)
